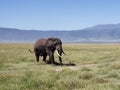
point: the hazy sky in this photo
(58, 14)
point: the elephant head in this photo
(53, 44)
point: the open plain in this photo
(86, 67)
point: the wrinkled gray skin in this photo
(44, 47)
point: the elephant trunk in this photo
(59, 52)
(60, 56)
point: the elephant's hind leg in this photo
(37, 57)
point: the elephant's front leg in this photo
(44, 58)
(51, 58)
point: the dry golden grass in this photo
(97, 68)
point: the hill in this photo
(98, 33)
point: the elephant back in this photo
(39, 46)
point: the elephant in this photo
(46, 47)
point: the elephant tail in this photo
(31, 51)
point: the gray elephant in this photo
(44, 47)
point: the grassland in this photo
(97, 68)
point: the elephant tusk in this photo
(58, 54)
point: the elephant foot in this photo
(48, 62)
(55, 63)
(44, 60)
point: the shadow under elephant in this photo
(58, 64)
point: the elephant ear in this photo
(50, 44)
(55, 42)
